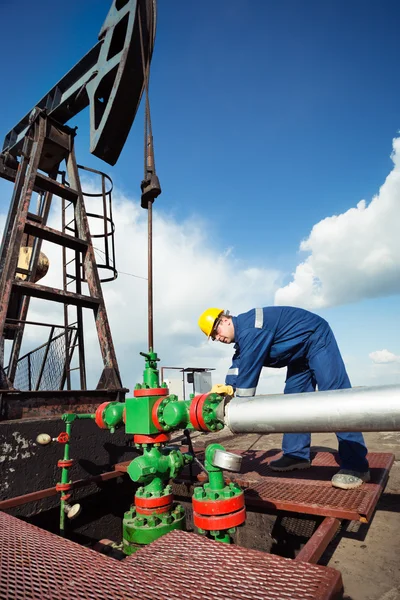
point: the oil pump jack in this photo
(38, 156)
(33, 155)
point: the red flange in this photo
(153, 511)
(63, 437)
(196, 412)
(99, 415)
(153, 502)
(193, 413)
(154, 414)
(65, 463)
(220, 522)
(218, 507)
(150, 392)
(154, 438)
(63, 487)
(199, 412)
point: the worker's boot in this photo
(349, 480)
(289, 463)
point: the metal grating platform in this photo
(36, 564)
(307, 491)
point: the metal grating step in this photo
(36, 564)
(54, 236)
(307, 491)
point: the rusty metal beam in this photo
(42, 404)
(35, 290)
(56, 237)
(48, 492)
(318, 542)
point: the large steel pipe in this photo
(355, 409)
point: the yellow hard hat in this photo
(208, 318)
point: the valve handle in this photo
(186, 433)
(62, 438)
(43, 439)
(148, 356)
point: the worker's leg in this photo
(330, 374)
(298, 380)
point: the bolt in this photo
(178, 511)
(198, 493)
(228, 493)
(167, 519)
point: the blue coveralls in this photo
(283, 336)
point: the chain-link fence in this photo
(44, 367)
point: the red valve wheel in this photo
(153, 502)
(219, 522)
(63, 438)
(218, 507)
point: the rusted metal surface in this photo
(41, 404)
(17, 216)
(52, 491)
(48, 293)
(309, 491)
(54, 236)
(42, 182)
(110, 375)
(44, 132)
(44, 209)
(318, 542)
(36, 564)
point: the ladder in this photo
(47, 144)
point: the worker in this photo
(283, 336)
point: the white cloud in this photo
(353, 255)
(190, 273)
(384, 357)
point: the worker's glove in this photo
(222, 390)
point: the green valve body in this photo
(138, 416)
(139, 529)
(154, 513)
(227, 500)
(157, 463)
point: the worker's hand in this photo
(222, 389)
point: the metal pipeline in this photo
(354, 409)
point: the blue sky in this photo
(269, 118)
